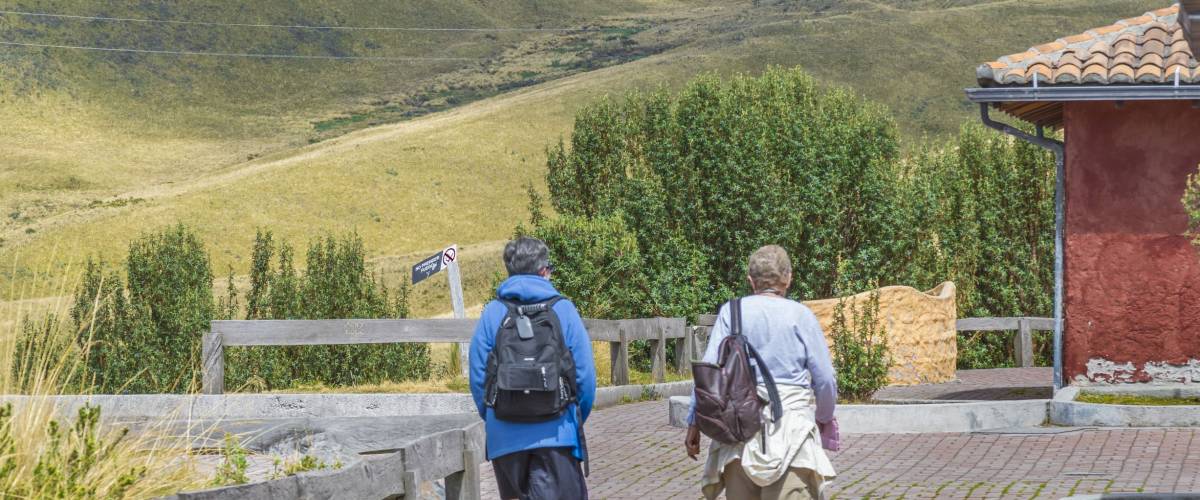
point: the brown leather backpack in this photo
(728, 408)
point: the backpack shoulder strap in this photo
(769, 381)
(735, 316)
(735, 328)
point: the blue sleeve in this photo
(720, 330)
(481, 346)
(820, 367)
(576, 337)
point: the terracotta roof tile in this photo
(1067, 74)
(1149, 73)
(1051, 47)
(1120, 73)
(1166, 11)
(1073, 39)
(1112, 28)
(1146, 49)
(1143, 19)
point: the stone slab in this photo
(126, 409)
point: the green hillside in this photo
(101, 147)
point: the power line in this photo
(295, 26)
(236, 54)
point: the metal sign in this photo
(434, 264)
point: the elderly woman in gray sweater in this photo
(788, 462)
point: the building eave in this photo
(1084, 93)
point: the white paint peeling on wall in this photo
(1103, 371)
(1168, 373)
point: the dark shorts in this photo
(540, 474)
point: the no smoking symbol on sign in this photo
(449, 255)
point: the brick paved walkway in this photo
(637, 455)
(993, 385)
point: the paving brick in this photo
(638, 455)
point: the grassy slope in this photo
(457, 176)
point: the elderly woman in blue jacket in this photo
(538, 460)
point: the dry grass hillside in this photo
(411, 156)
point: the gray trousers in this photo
(540, 474)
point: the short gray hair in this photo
(770, 267)
(526, 255)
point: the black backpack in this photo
(530, 371)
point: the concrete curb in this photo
(918, 418)
(1065, 410)
(1137, 496)
(142, 407)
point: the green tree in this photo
(702, 177)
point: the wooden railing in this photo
(1022, 341)
(452, 457)
(618, 333)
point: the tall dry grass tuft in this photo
(48, 453)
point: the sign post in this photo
(447, 259)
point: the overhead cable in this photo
(238, 54)
(288, 26)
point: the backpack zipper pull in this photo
(545, 383)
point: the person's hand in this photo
(692, 441)
(830, 439)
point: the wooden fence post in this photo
(1024, 343)
(700, 341)
(620, 359)
(683, 352)
(212, 365)
(464, 485)
(658, 366)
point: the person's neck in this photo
(770, 292)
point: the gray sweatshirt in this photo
(788, 337)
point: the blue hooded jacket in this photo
(504, 437)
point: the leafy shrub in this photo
(705, 176)
(144, 335)
(304, 463)
(982, 214)
(700, 178)
(232, 469)
(1191, 204)
(860, 351)
(45, 455)
(78, 461)
(335, 284)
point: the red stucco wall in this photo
(1132, 278)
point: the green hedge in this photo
(681, 187)
(144, 331)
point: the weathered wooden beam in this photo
(212, 364)
(384, 331)
(619, 356)
(658, 363)
(683, 347)
(1023, 344)
(700, 335)
(343, 331)
(986, 324)
(607, 330)
(464, 485)
(1000, 324)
